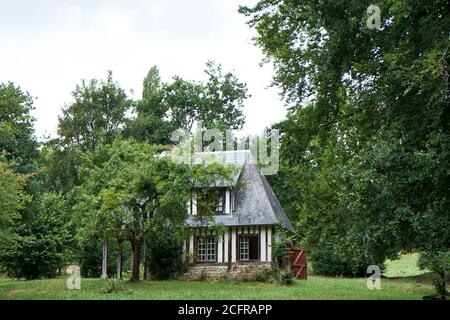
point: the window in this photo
(220, 202)
(243, 248)
(206, 249)
(248, 248)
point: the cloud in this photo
(65, 42)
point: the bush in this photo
(225, 277)
(203, 275)
(163, 254)
(113, 286)
(41, 241)
(89, 256)
(266, 274)
(439, 263)
(330, 263)
(261, 275)
(287, 278)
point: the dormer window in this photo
(220, 208)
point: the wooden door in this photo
(299, 263)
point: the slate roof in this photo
(256, 204)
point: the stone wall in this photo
(197, 271)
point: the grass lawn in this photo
(313, 288)
(404, 267)
(316, 287)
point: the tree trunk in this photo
(119, 260)
(136, 245)
(105, 260)
(441, 286)
(145, 261)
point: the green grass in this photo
(313, 288)
(406, 266)
(316, 287)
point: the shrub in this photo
(332, 263)
(261, 274)
(287, 278)
(224, 277)
(163, 254)
(203, 275)
(41, 245)
(113, 286)
(281, 247)
(439, 263)
(266, 274)
(274, 273)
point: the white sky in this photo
(48, 46)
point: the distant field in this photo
(316, 287)
(406, 266)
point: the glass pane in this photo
(211, 244)
(244, 248)
(201, 249)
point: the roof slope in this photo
(256, 204)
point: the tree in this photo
(12, 199)
(217, 104)
(151, 124)
(438, 262)
(165, 107)
(163, 251)
(367, 139)
(128, 190)
(96, 117)
(17, 141)
(39, 246)
(59, 167)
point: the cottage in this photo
(249, 210)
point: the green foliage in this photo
(163, 252)
(281, 243)
(17, 140)
(59, 167)
(166, 107)
(331, 262)
(113, 286)
(364, 163)
(96, 117)
(438, 262)
(88, 255)
(129, 190)
(39, 246)
(261, 274)
(12, 199)
(287, 278)
(150, 124)
(203, 276)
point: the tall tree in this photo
(165, 107)
(129, 190)
(97, 116)
(12, 199)
(367, 140)
(41, 244)
(17, 141)
(151, 124)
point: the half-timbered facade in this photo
(248, 209)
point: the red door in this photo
(299, 263)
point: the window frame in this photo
(238, 247)
(223, 197)
(210, 245)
